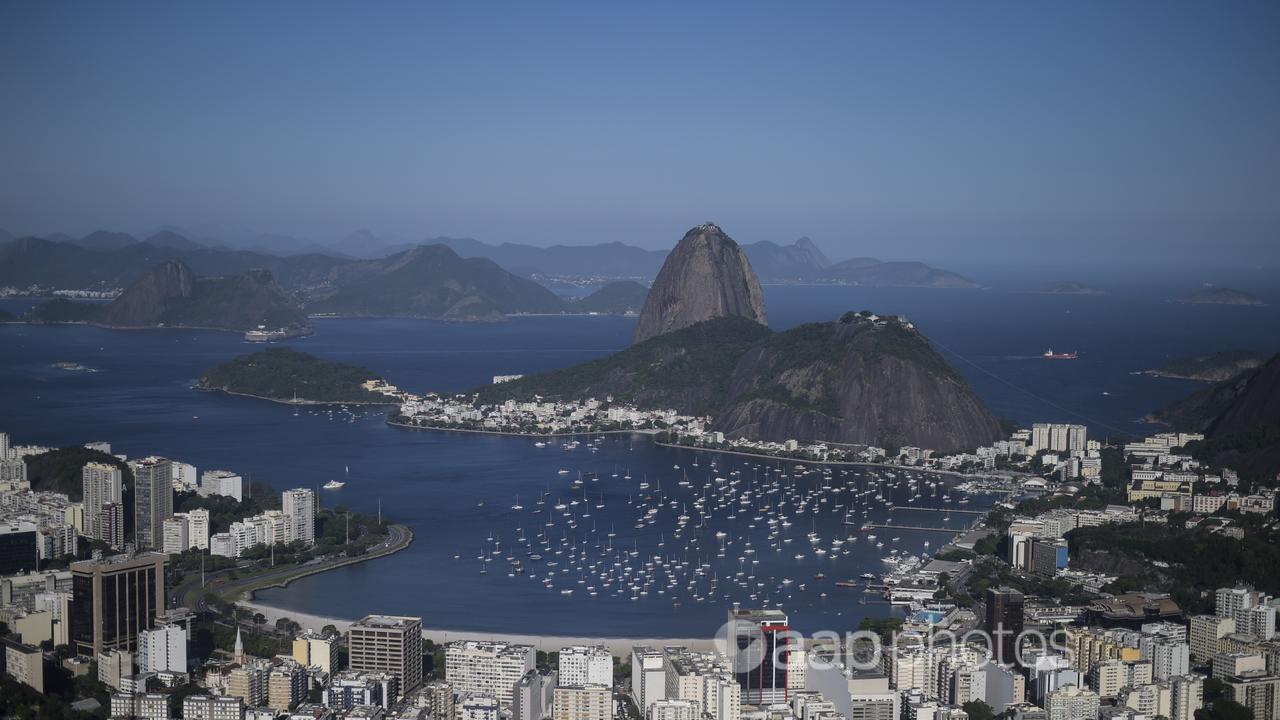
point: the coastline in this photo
(699, 448)
(617, 645)
(290, 401)
(520, 434)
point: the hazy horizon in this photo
(1011, 134)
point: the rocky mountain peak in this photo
(707, 275)
(143, 302)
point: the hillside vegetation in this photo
(279, 373)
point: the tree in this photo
(1224, 709)
(979, 710)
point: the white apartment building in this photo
(222, 482)
(487, 668)
(101, 485)
(299, 507)
(198, 528)
(648, 677)
(1071, 703)
(582, 665)
(163, 649)
(175, 535)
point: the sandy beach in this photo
(618, 646)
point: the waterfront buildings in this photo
(299, 507)
(487, 668)
(648, 677)
(581, 665)
(222, 482)
(392, 644)
(757, 648)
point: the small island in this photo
(1070, 287)
(1221, 296)
(1214, 367)
(622, 297)
(294, 377)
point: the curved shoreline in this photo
(509, 433)
(617, 645)
(699, 448)
(290, 401)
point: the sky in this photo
(1024, 132)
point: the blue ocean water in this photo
(456, 490)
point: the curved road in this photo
(189, 593)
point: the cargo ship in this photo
(1051, 355)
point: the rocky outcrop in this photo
(863, 380)
(1243, 403)
(706, 276)
(144, 302)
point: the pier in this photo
(953, 531)
(941, 510)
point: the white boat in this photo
(333, 485)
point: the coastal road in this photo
(190, 594)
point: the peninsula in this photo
(1213, 367)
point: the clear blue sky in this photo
(905, 130)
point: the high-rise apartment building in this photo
(152, 501)
(581, 665)
(175, 537)
(102, 485)
(163, 649)
(487, 668)
(758, 645)
(299, 507)
(114, 599)
(392, 644)
(1003, 623)
(590, 702)
(198, 528)
(648, 677)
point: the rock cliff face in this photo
(706, 276)
(144, 302)
(170, 295)
(862, 379)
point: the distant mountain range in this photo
(114, 259)
(171, 295)
(429, 281)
